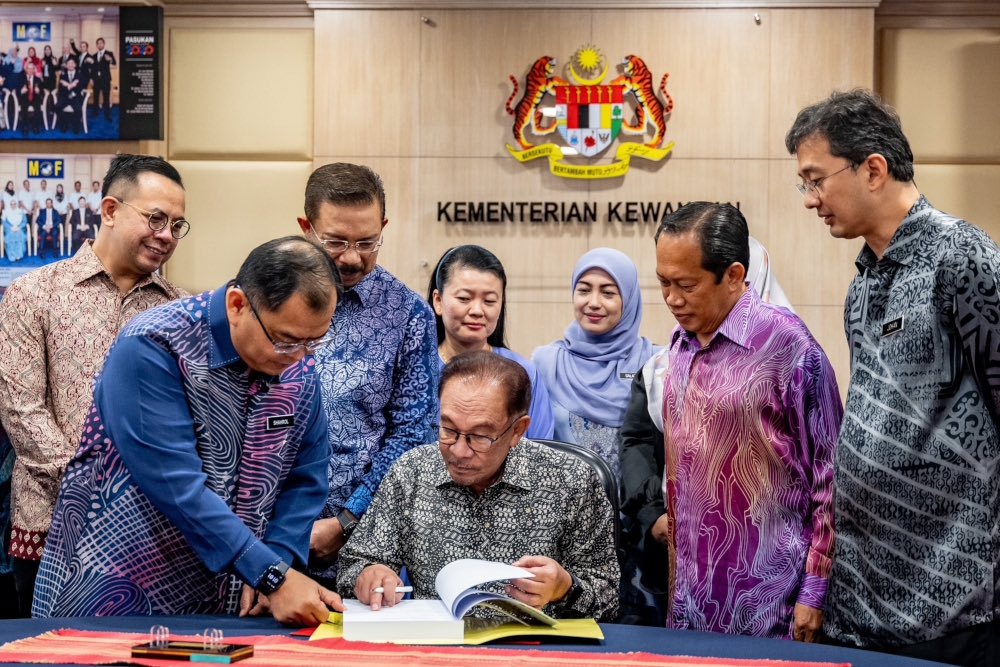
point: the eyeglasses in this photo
(477, 443)
(340, 246)
(179, 227)
(282, 347)
(812, 187)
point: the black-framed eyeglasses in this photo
(340, 246)
(477, 443)
(282, 347)
(157, 220)
(812, 187)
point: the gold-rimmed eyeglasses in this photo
(340, 246)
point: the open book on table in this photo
(443, 621)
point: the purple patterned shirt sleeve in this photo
(751, 422)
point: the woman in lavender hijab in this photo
(589, 372)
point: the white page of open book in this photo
(405, 611)
(409, 621)
(459, 576)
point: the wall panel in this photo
(717, 60)
(946, 86)
(814, 52)
(367, 82)
(233, 207)
(422, 102)
(243, 93)
(466, 58)
(966, 190)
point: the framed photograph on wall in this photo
(80, 72)
(49, 206)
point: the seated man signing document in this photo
(485, 492)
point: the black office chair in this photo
(604, 475)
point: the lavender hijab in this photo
(591, 375)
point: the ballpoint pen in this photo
(399, 589)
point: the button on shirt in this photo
(56, 325)
(751, 421)
(547, 503)
(918, 484)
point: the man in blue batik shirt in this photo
(380, 378)
(201, 465)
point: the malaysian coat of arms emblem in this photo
(589, 115)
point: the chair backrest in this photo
(604, 474)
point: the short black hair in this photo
(125, 168)
(473, 257)
(856, 123)
(343, 184)
(492, 368)
(278, 269)
(721, 231)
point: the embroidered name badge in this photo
(627, 376)
(892, 326)
(280, 421)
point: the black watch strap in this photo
(273, 578)
(348, 522)
(573, 594)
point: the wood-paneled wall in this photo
(419, 96)
(421, 99)
(945, 84)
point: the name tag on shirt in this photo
(627, 376)
(280, 421)
(892, 326)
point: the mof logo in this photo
(32, 32)
(589, 115)
(45, 167)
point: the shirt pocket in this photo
(918, 354)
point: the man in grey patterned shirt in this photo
(496, 497)
(917, 566)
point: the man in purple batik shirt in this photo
(751, 412)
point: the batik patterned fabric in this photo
(56, 325)
(183, 489)
(547, 503)
(379, 380)
(600, 439)
(918, 485)
(751, 420)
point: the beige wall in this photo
(945, 83)
(255, 104)
(240, 130)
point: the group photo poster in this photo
(51, 205)
(80, 72)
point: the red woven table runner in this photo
(95, 648)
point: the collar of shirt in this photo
(905, 244)
(736, 326)
(517, 470)
(90, 266)
(365, 287)
(221, 351)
